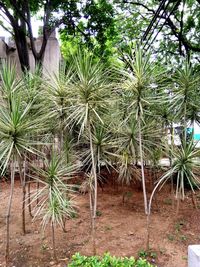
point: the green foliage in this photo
(95, 30)
(107, 261)
(56, 202)
(184, 168)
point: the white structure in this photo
(51, 60)
(194, 256)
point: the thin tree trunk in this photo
(148, 232)
(185, 123)
(155, 177)
(171, 162)
(53, 241)
(38, 187)
(142, 168)
(23, 184)
(91, 206)
(61, 142)
(23, 200)
(95, 193)
(7, 252)
(29, 198)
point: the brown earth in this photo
(121, 230)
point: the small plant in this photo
(44, 247)
(162, 251)
(108, 228)
(74, 215)
(98, 213)
(129, 194)
(168, 201)
(183, 238)
(143, 253)
(153, 255)
(179, 225)
(170, 237)
(106, 261)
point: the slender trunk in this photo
(38, 187)
(7, 252)
(38, 184)
(53, 241)
(171, 162)
(142, 167)
(23, 200)
(185, 123)
(91, 206)
(95, 193)
(148, 232)
(29, 198)
(149, 211)
(61, 143)
(23, 184)
(155, 177)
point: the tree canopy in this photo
(169, 29)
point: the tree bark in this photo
(142, 167)
(22, 48)
(53, 241)
(7, 252)
(94, 200)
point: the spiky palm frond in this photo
(104, 146)
(56, 202)
(16, 127)
(128, 172)
(185, 168)
(90, 92)
(185, 90)
(139, 83)
(10, 83)
(57, 92)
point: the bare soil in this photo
(121, 229)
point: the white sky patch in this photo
(36, 23)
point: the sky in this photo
(6, 34)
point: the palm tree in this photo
(186, 90)
(139, 82)
(16, 126)
(185, 168)
(56, 93)
(89, 101)
(56, 203)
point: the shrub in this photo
(107, 261)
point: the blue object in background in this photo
(196, 137)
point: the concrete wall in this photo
(51, 57)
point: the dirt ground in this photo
(121, 230)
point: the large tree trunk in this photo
(22, 48)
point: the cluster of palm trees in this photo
(89, 116)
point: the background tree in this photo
(19, 14)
